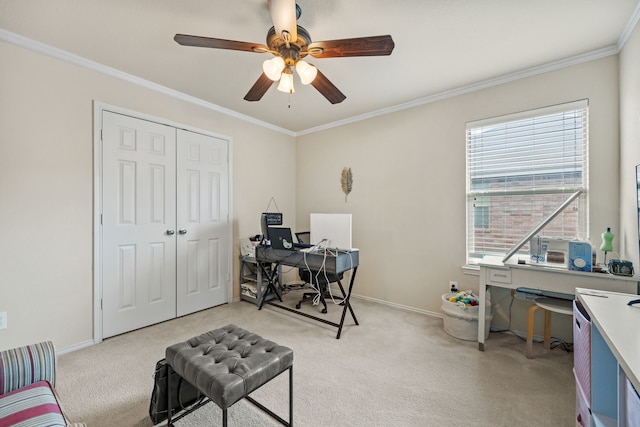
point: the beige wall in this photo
(408, 198)
(408, 201)
(46, 187)
(629, 146)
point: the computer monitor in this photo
(331, 230)
(267, 219)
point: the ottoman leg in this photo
(291, 396)
(273, 414)
(224, 418)
(168, 397)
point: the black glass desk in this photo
(332, 260)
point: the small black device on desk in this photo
(621, 267)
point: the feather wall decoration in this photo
(346, 179)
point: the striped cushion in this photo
(26, 365)
(31, 406)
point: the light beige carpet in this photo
(397, 368)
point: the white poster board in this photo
(335, 228)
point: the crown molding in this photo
(631, 25)
(72, 58)
(484, 84)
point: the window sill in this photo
(472, 270)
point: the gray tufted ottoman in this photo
(227, 364)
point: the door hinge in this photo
(100, 304)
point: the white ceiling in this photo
(440, 45)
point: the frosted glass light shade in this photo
(306, 71)
(286, 83)
(273, 68)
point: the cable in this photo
(508, 328)
(316, 298)
(274, 202)
(555, 342)
(314, 279)
(336, 254)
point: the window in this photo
(520, 169)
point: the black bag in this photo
(183, 394)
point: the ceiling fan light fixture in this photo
(286, 82)
(306, 71)
(283, 14)
(273, 67)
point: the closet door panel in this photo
(138, 210)
(203, 268)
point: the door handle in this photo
(182, 231)
(171, 232)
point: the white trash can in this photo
(461, 321)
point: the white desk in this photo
(512, 276)
(615, 353)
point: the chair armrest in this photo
(27, 365)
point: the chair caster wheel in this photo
(298, 306)
(324, 311)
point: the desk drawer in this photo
(500, 276)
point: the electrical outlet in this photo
(3, 320)
(453, 286)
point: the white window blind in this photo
(520, 168)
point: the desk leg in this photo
(344, 297)
(482, 310)
(271, 280)
(347, 304)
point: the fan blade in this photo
(259, 88)
(361, 46)
(187, 40)
(283, 15)
(326, 88)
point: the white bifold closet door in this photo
(203, 222)
(165, 205)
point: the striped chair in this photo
(27, 394)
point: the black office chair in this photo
(319, 280)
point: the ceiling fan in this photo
(290, 43)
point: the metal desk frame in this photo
(273, 282)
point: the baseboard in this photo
(393, 304)
(75, 347)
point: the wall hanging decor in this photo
(346, 179)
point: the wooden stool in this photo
(548, 305)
